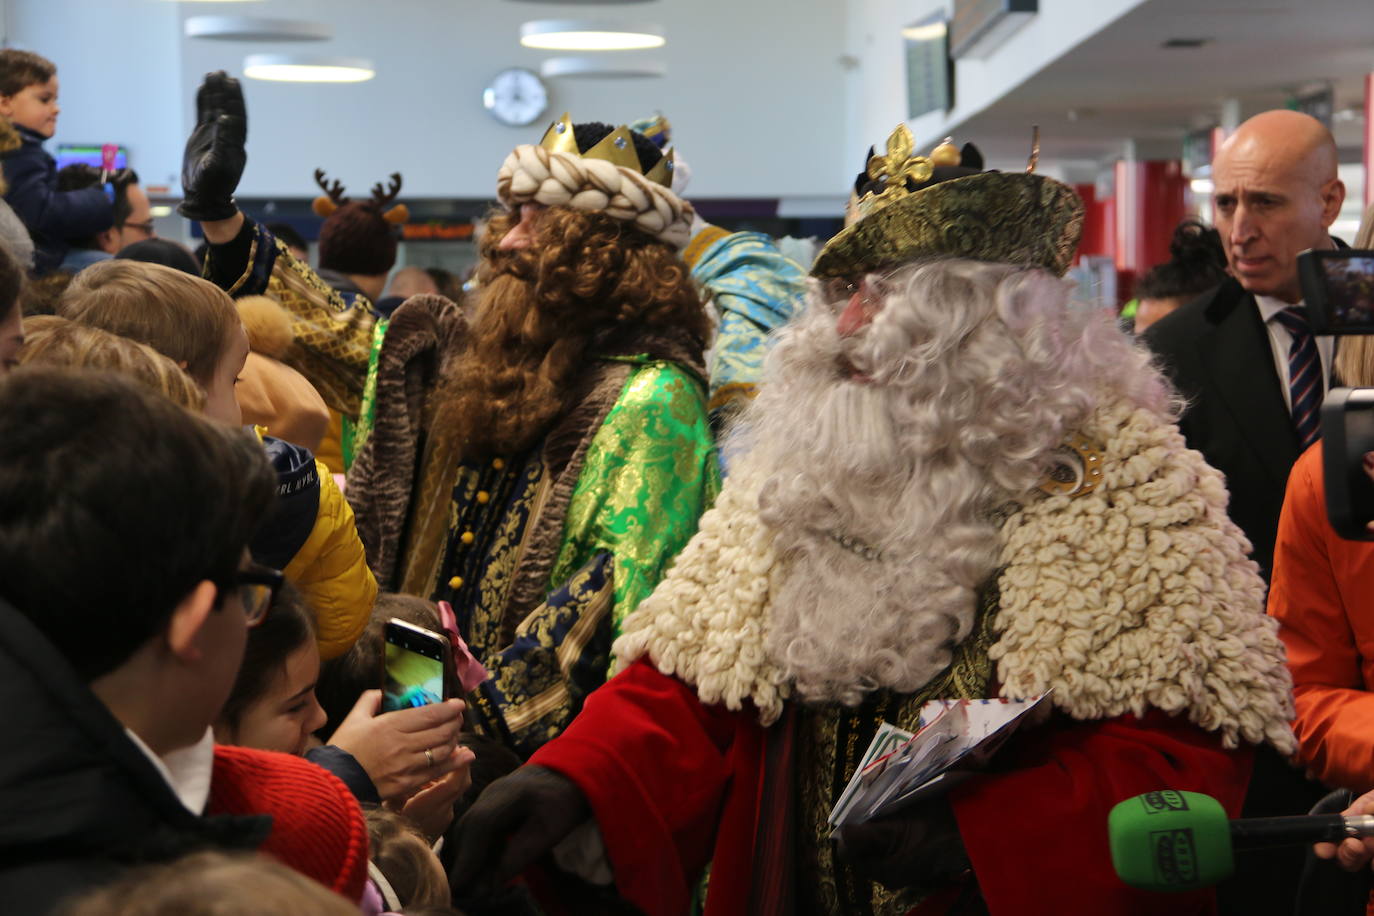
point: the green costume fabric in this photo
(648, 475)
(355, 432)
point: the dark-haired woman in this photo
(399, 757)
(1197, 262)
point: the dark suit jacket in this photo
(1217, 353)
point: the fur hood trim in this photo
(1137, 595)
(268, 325)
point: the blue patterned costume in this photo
(755, 290)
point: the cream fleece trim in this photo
(706, 620)
(1140, 595)
(1137, 595)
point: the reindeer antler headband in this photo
(334, 198)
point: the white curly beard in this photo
(884, 492)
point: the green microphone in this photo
(1179, 841)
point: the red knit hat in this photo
(317, 826)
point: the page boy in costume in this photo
(952, 485)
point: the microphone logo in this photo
(1175, 854)
(1164, 800)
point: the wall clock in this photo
(516, 96)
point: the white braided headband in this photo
(533, 173)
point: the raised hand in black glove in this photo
(919, 846)
(514, 822)
(215, 154)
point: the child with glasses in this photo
(126, 596)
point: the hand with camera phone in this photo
(406, 750)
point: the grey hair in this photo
(886, 494)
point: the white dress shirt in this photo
(187, 770)
(1280, 341)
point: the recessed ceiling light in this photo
(256, 28)
(1186, 42)
(589, 35)
(600, 66)
(292, 68)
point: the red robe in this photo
(675, 784)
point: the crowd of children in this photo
(173, 672)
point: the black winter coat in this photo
(79, 801)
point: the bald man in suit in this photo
(1254, 377)
(1231, 352)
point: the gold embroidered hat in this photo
(607, 177)
(912, 208)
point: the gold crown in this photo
(893, 168)
(617, 148)
(1015, 218)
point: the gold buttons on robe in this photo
(468, 537)
(483, 497)
(455, 582)
(497, 463)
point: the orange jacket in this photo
(1322, 594)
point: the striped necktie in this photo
(1304, 374)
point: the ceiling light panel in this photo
(256, 28)
(293, 68)
(589, 35)
(601, 67)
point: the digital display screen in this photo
(412, 679)
(929, 71)
(1350, 290)
(67, 153)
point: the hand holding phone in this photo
(416, 660)
(406, 750)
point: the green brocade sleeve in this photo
(649, 474)
(357, 432)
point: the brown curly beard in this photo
(587, 282)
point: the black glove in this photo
(512, 824)
(919, 846)
(215, 154)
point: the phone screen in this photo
(1350, 287)
(1338, 287)
(412, 679)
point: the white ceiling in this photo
(1121, 84)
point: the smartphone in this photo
(1338, 289)
(415, 662)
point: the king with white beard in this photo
(954, 484)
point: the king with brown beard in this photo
(539, 465)
(954, 484)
